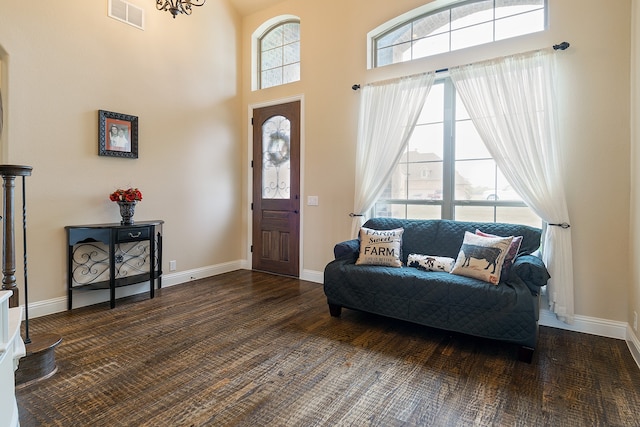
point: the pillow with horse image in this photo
(430, 263)
(512, 252)
(482, 257)
(380, 247)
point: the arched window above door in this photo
(277, 52)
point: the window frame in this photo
(448, 202)
(259, 51)
(432, 8)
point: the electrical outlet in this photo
(635, 321)
(172, 265)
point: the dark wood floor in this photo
(250, 349)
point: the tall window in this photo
(461, 25)
(279, 50)
(447, 172)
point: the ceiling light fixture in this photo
(178, 6)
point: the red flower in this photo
(128, 195)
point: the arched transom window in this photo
(279, 50)
(461, 24)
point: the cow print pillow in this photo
(512, 252)
(482, 257)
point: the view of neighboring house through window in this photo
(459, 26)
(447, 172)
(280, 55)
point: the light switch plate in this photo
(312, 200)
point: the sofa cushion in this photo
(380, 247)
(482, 257)
(430, 262)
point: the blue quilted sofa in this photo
(506, 312)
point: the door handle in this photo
(295, 211)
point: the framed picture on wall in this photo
(117, 135)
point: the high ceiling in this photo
(247, 7)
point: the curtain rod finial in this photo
(355, 87)
(561, 46)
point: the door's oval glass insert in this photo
(276, 167)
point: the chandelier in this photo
(178, 6)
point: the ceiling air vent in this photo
(126, 12)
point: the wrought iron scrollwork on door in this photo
(276, 151)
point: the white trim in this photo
(595, 326)
(312, 276)
(250, 109)
(15, 419)
(200, 273)
(84, 298)
(588, 325)
(634, 345)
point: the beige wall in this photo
(594, 97)
(63, 61)
(634, 287)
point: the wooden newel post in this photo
(39, 361)
(9, 173)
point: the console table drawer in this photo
(133, 234)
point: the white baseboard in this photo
(312, 276)
(84, 298)
(586, 324)
(596, 326)
(200, 273)
(634, 344)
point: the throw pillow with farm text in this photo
(380, 247)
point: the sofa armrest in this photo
(532, 271)
(347, 248)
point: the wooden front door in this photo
(276, 189)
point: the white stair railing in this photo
(11, 350)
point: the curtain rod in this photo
(560, 46)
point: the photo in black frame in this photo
(117, 135)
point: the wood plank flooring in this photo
(251, 349)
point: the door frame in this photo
(249, 176)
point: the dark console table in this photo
(107, 256)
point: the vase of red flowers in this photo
(126, 200)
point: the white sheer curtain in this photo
(389, 111)
(511, 102)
